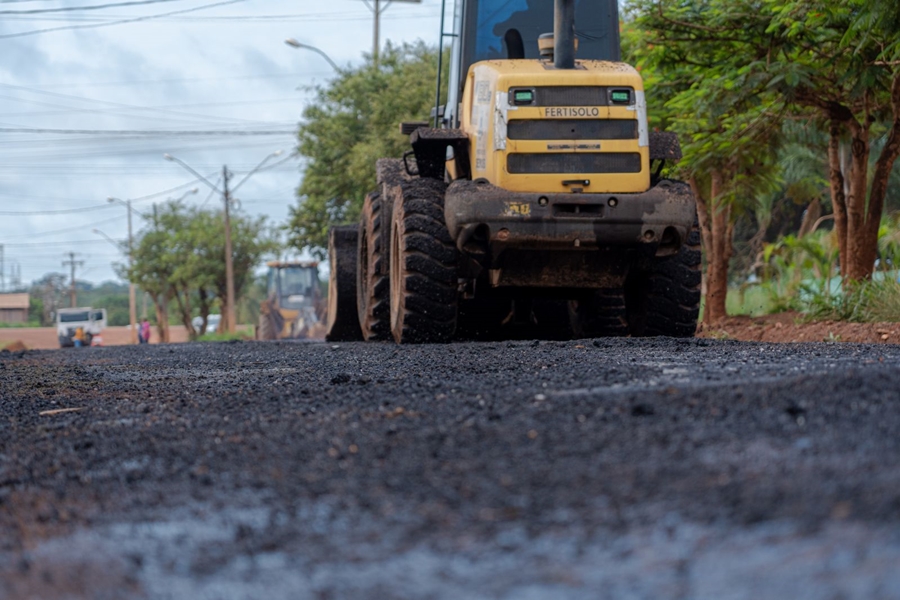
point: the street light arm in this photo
(192, 171)
(295, 44)
(255, 169)
(118, 245)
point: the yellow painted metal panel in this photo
(486, 112)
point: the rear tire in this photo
(264, 328)
(424, 259)
(342, 324)
(373, 286)
(664, 300)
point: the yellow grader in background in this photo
(535, 199)
(291, 307)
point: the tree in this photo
(50, 290)
(152, 264)
(179, 258)
(354, 121)
(723, 114)
(842, 59)
(835, 63)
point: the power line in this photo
(94, 208)
(142, 131)
(54, 212)
(33, 11)
(119, 104)
(183, 79)
(122, 22)
(65, 230)
(42, 244)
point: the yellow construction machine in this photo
(292, 305)
(535, 197)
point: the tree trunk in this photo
(183, 300)
(162, 318)
(858, 267)
(838, 199)
(716, 233)
(810, 218)
(880, 178)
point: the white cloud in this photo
(196, 71)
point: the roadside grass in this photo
(226, 337)
(866, 302)
(28, 324)
(753, 301)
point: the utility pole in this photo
(377, 8)
(229, 316)
(132, 302)
(376, 35)
(2, 271)
(230, 320)
(73, 295)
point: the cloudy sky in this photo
(221, 68)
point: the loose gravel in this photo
(614, 468)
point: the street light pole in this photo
(132, 296)
(230, 320)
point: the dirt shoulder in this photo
(44, 338)
(790, 327)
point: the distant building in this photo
(14, 308)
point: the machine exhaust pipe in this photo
(564, 34)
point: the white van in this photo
(68, 320)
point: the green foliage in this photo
(695, 60)
(179, 260)
(873, 301)
(750, 299)
(801, 274)
(225, 337)
(798, 269)
(35, 310)
(353, 121)
(5, 325)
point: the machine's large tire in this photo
(264, 329)
(342, 324)
(664, 299)
(271, 323)
(599, 313)
(424, 297)
(373, 286)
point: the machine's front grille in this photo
(575, 162)
(571, 96)
(572, 129)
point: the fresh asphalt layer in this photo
(611, 468)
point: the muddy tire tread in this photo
(427, 298)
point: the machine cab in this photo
(295, 285)
(501, 29)
(536, 123)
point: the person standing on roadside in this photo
(144, 332)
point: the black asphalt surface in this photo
(615, 468)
